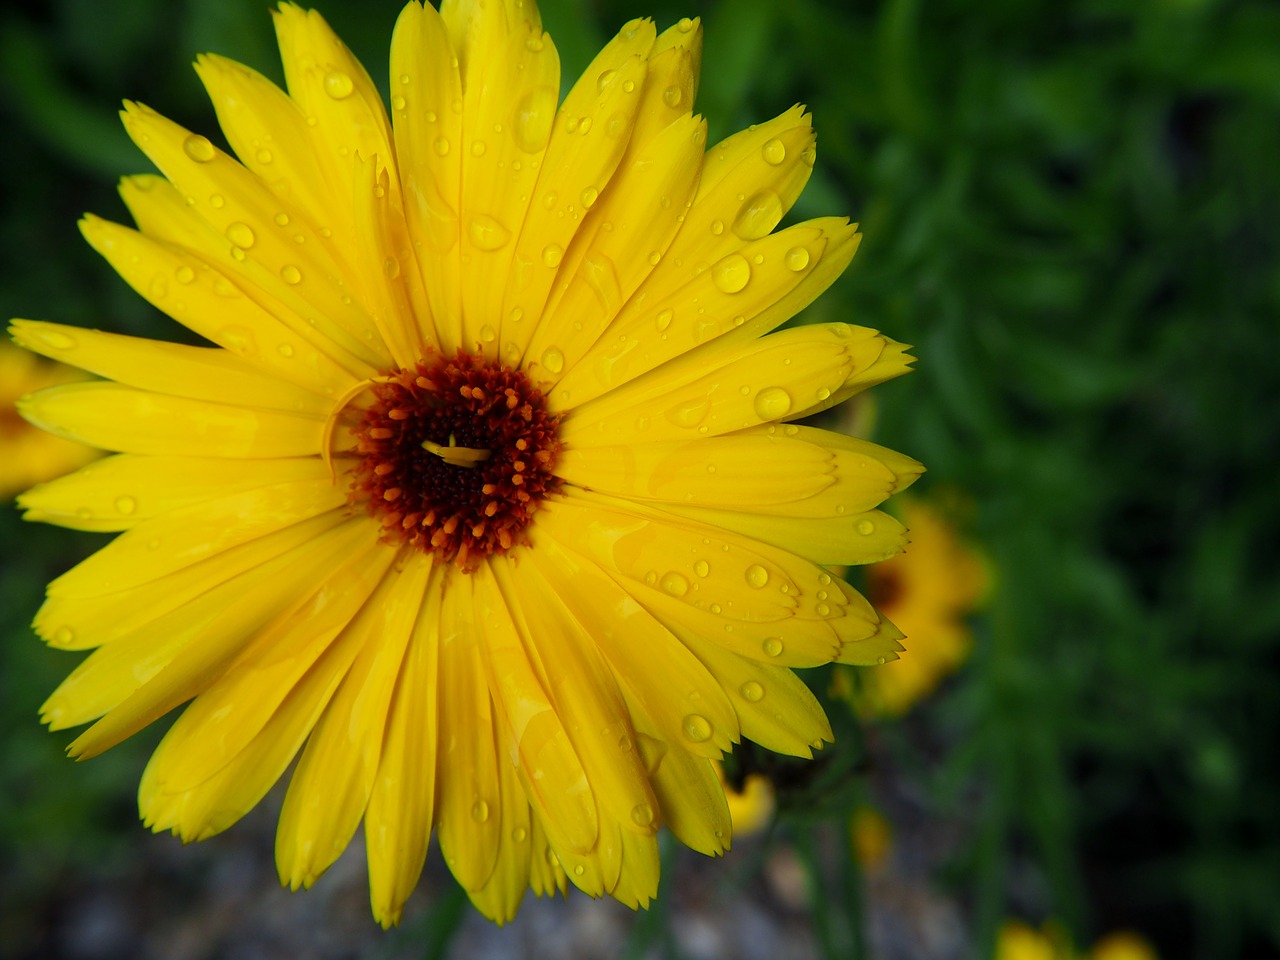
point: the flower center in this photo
(455, 456)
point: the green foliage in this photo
(1070, 210)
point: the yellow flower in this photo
(30, 456)
(751, 808)
(871, 837)
(1017, 941)
(1123, 945)
(487, 499)
(926, 592)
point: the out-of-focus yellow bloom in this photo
(1123, 945)
(871, 837)
(926, 592)
(1017, 941)
(751, 808)
(29, 455)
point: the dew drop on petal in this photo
(338, 84)
(758, 215)
(126, 505)
(732, 273)
(553, 359)
(198, 148)
(689, 413)
(285, 350)
(673, 96)
(774, 152)
(880, 660)
(531, 126)
(797, 259)
(391, 268)
(282, 219)
(486, 233)
(772, 646)
(398, 102)
(772, 403)
(519, 834)
(63, 636)
(441, 146)
(241, 235)
(579, 870)
(865, 527)
(57, 339)
(757, 576)
(480, 811)
(822, 610)
(290, 274)
(217, 201)
(642, 814)
(589, 196)
(675, 583)
(685, 25)
(184, 274)
(697, 728)
(477, 148)
(551, 255)
(605, 78)
(702, 568)
(752, 691)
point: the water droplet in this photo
(285, 350)
(589, 197)
(773, 151)
(584, 125)
(198, 148)
(675, 583)
(441, 146)
(689, 413)
(717, 227)
(697, 728)
(579, 870)
(553, 359)
(673, 96)
(487, 233)
(809, 156)
(822, 610)
(759, 214)
(551, 255)
(865, 527)
(519, 834)
(398, 102)
(702, 568)
(772, 646)
(752, 691)
(290, 274)
(642, 814)
(628, 86)
(732, 273)
(605, 79)
(338, 85)
(797, 259)
(57, 339)
(126, 505)
(757, 576)
(824, 579)
(533, 44)
(184, 274)
(685, 25)
(880, 660)
(664, 319)
(479, 811)
(531, 126)
(823, 393)
(241, 235)
(63, 636)
(237, 254)
(772, 403)
(488, 334)
(477, 148)
(654, 257)
(264, 156)
(217, 201)
(391, 268)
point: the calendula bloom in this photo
(487, 500)
(927, 592)
(28, 455)
(750, 808)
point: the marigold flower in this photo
(487, 500)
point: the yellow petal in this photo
(774, 707)
(428, 134)
(206, 301)
(588, 139)
(113, 417)
(84, 622)
(120, 492)
(684, 701)
(200, 373)
(332, 88)
(240, 233)
(468, 822)
(732, 302)
(672, 81)
(613, 252)
(787, 375)
(500, 898)
(510, 82)
(323, 636)
(546, 876)
(335, 776)
(880, 647)
(692, 799)
(190, 534)
(554, 780)
(402, 804)
(178, 656)
(268, 132)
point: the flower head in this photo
(487, 502)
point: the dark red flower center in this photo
(455, 456)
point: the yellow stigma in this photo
(455, 455)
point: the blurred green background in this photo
(1071, 210)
